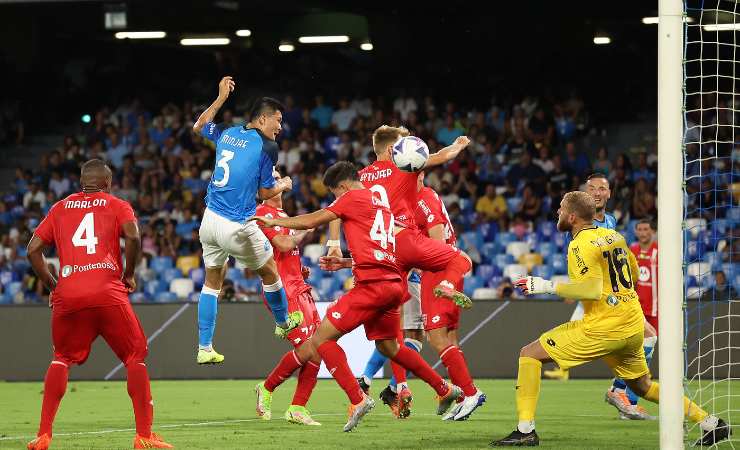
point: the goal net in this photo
(711, 166)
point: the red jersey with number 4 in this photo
(431, 211)
(288, 263)
(647, 282)
(86, 231)
(397, 187)
(368, 229)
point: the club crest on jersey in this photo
(66, 271)
(379, 255)
(612, 300)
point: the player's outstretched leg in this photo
(55, 385)
(457, 368)
(713, 428)
(297, 412)
(455, 270)
(272, 287)
(207, 312)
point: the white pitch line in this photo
(153, 336)
(478, 327)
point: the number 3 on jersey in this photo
(226, 156)
(84, 236)
(377, 231)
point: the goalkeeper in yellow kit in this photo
(601, 269)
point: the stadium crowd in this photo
(504, 188)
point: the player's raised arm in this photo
(302, 222)
(132, 239)
(448, 153)
(286, 243)
(332, 242)
(225, 86)
(38, 262)
(282, 185)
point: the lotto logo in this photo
(550, 342)
(430, 219)
(336, 315)
(297, 340)
(435, 319)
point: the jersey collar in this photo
(584, 229)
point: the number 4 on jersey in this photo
(378, 233)
(85, 234)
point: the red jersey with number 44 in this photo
(288, 263)
(431, 211)
(368, 229)
(395, 186)
(647, 282)
(86, 231)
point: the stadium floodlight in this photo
(323, 39)
(140, 35)
(367, 46)
(205, 41)
(286, 47)
(656, 20)
(602, 40)
(722, 27)
(86, 118)
(243, 33)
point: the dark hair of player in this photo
(265, 106)
(338, 172)
(95, 175)
(597, 175)
(649, 221)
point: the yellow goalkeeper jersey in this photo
(603, 253)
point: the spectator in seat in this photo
(643, 171)
(58, 185)
(602, 164)
(492, 207)
(531, 204)
(34, 195)
(322, 113)
(544, 160)
(525, 173)
(643, 201)
(447, 135)
(343, 117)
(576, 161)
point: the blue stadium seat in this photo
(170, 274)
(484, 271)
(154, 287)
(198, 275)
(559, 265)
(314, 278)
(543, 271)
(327, 288)
(472, 239)
(714, 260)
(691, 281)
(488, 230)
(138, 297)
(161, 263)
(250, 284)
(488, 252)
(164, 297)
(504, 239)
(472, 283)
(14, 288)
(736, 283)
(234, 274)
(503, 259)
(494, 281)
(513, 203)
(194, 297)
(343, 274)
(546, 249)
(559, 240)
(546, 230)
(21, 265)
(466, 205)
(733, 214)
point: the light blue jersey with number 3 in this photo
(245, 159)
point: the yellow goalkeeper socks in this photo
(690, 409)
(528, 389)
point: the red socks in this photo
(336, 362)
(413, 361)
(285, 368)
(457, 368)
(306, 383)
(399, 372)
(456, 269)
(55, 384)
(141, 398)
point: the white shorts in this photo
(221, 238)
(578, 313)
(411, 314)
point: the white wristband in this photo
(333, 243)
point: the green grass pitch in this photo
(220, 414)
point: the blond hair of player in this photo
(601, 269)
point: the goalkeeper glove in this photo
(535, 285)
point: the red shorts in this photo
(73, 333)
(304, 302)
(415, 250)
(438, 312)
(373, 304)
(653, 320)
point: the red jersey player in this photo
(91, 297)
(415, 250)
(646, 252)
(285, 242)
(376, 296)
(442, 317)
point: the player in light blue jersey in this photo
(245, 158)
(621, 397)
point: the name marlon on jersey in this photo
(84, 204)
(71, 269)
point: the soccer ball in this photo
(410, 154)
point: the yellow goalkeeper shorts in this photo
(569, 346)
